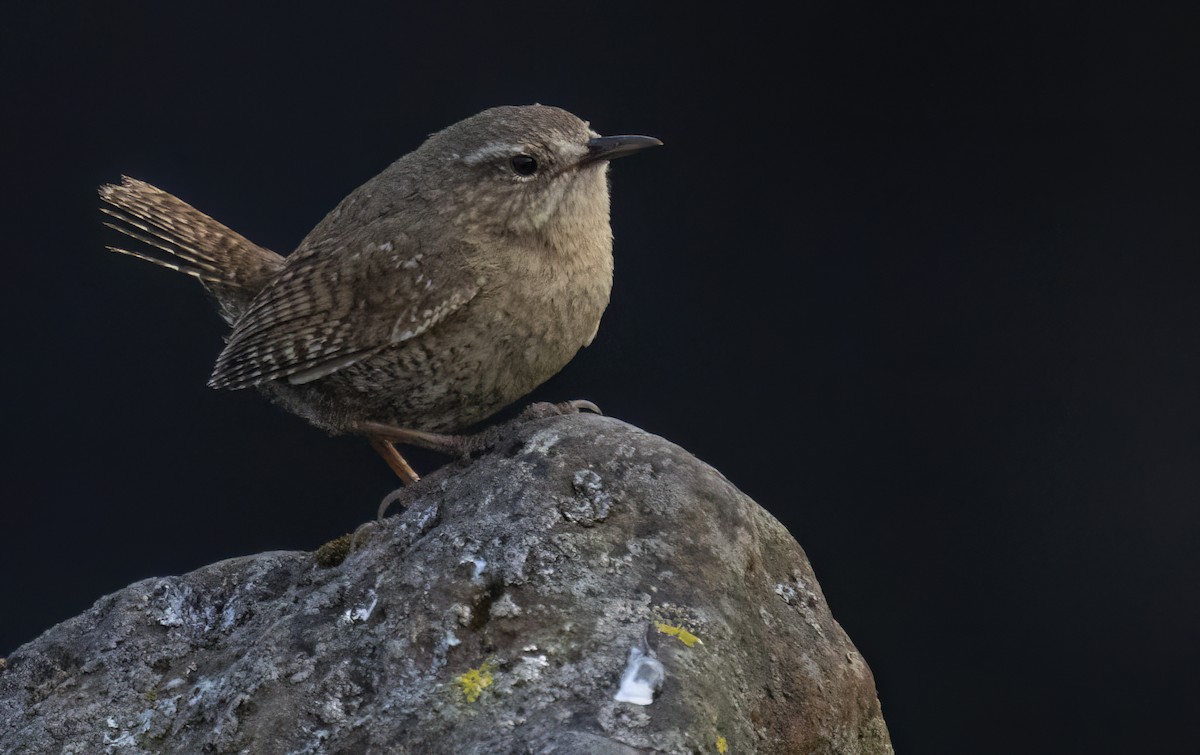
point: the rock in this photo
(504, 610)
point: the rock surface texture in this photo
(507, 607)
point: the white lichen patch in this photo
(178, 610)
(123, 741)
(426, 516)
(800, 596)
(332, 711)
(127, 736)
(542, 441)
(229, 615)
(201, 690)
(479, 564)
(529, 668)
(591, 502)
(505, 607)
(642, 678)
(656, 547)
(300, 675)
(624, 451)
(316, 744)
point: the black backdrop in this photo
(923, 283)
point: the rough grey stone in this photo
(495, 614)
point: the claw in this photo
(580, 405)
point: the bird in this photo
(445, 288)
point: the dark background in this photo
(923, 283)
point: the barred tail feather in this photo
(158, 239)
(232, 267)
(194, 272)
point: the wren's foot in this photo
(382, 436)
(546, 409)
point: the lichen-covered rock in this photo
(582, 587)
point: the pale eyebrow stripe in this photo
(495, 149)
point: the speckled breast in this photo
(505, 342)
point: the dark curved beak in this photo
(612, 147)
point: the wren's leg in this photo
(452, 445)
(382, 436)
(394, 459)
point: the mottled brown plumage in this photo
(445, 288)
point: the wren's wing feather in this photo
(333, 306)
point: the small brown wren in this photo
(445, 288)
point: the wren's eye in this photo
(524, 165)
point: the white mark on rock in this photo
(362, 612)
(173, 611)
(125, 742)
(202, 689)
(144, 720)
(332, 711)
(624, 452)
(505, 607)
(643, 677)
(423, 519)
(591, 502)
(479, 563)
(229, 615)
(530, 667)
(462, 613)
(542, 441)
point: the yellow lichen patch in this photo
(475, 681)
(722, 745)
(686, 637)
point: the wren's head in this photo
(523, 170)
